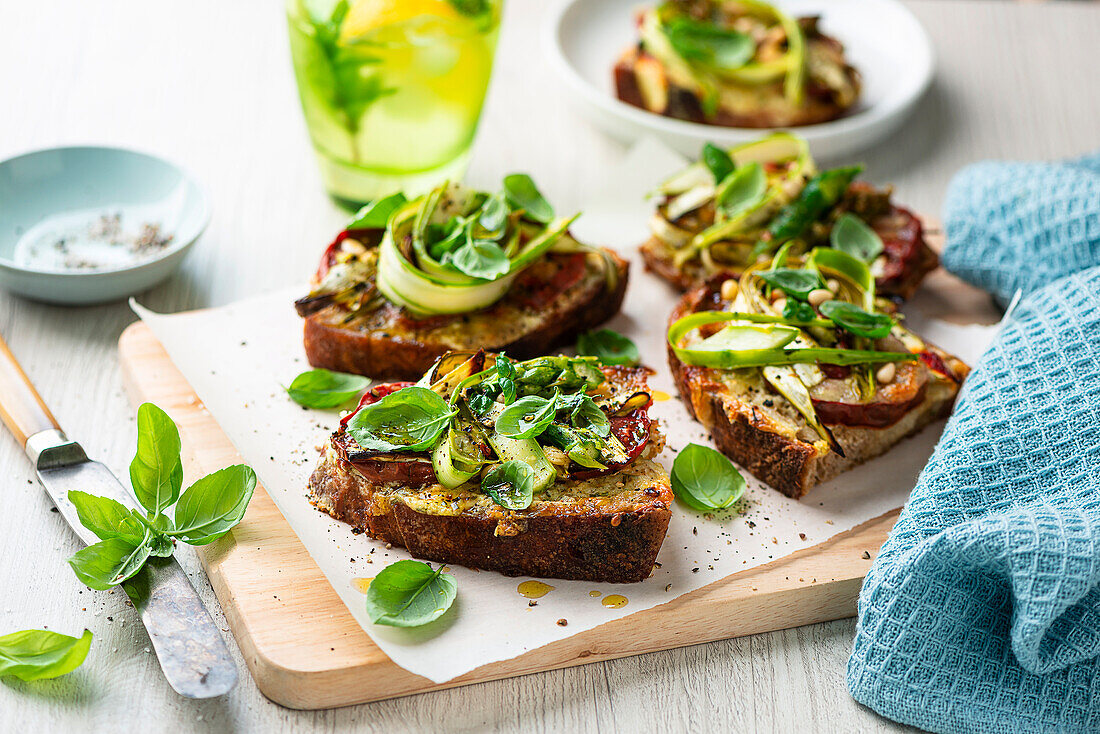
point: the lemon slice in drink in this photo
(366, 17)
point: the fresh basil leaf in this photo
(156, 471)
(851, 235)
(854, 319)
(472, 8)
(107, 518)
(322, 388)
(42, 654)
(376, 214)
(522, 194)
(797, 283)
(410, 594)
(585, 414)
(481, 398)
(506, 376)
(410, 419)
(493, 217)
(741, 190)
(481, 259)
(109, 562)
(723, 49)
(444, 239)
(511, 485)
(210, 507)
(609, 347)
(527, 417)
(796, 310)
(705, 479)
(717, 161)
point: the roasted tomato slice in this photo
(632, 430)
(836, 403)
(410, 472)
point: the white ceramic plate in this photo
(882, 38)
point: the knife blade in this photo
(191, 651)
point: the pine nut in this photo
(886, 373)
(780, 305)
(833, 284)
(729, 290)
(353, 246)
(819, 296)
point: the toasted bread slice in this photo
(759, 429)
(906, 257)
(604, 524)
(552, 302)
(608, 528)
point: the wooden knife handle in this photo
(21, 407)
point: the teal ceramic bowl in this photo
(85, 225)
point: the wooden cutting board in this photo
(306, 651)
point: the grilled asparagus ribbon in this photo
(786, 343)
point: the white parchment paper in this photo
(237, 358)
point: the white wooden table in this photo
(208, 83)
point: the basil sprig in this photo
(527, 417)
(609, 347)
(410, 594)
(204, 512)
(322, 388)
(705, 479)
(796, 283)
(854, 319)
(521, 193)
(410, 419)
(41, 654)
(511, 485)
(851, 235)
(708, 44)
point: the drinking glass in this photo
(391, 89)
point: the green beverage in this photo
(391, 89)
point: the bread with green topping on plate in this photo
(735, 63)
(541, 467)
(799, 378)
(734, 207)
(456, 269)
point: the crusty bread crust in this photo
(794, 467)
(406, 352)
(611, 538)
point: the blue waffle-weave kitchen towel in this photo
(1023, 225)
(982, 612)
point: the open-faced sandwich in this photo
(737, 63)
(540, 468)
(799, 372)
(734, 209)
(456, 269)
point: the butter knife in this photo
(191, 651)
